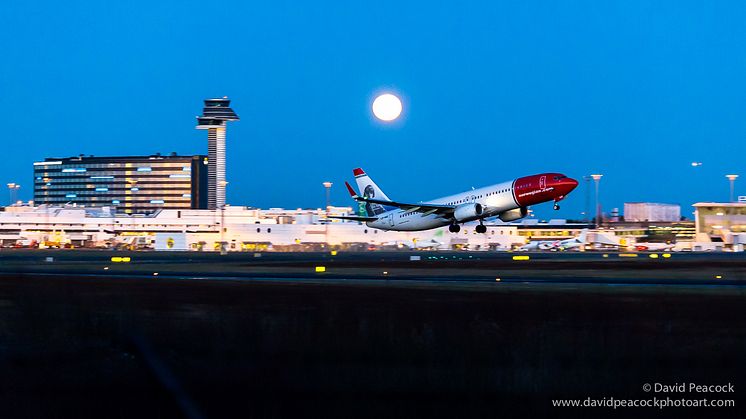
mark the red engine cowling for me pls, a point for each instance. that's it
(468, 212)
(514, 214)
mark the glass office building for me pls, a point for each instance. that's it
(134, 184)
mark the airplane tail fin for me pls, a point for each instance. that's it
(583, 235)
(367, 188)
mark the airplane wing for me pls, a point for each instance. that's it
(352, 217)
(425, 209)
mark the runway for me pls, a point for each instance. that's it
(439, 268)
(124, 343)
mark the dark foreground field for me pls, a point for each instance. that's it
(125, 347)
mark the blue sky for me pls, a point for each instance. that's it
(492, 90)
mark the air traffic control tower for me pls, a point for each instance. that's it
(214, 118)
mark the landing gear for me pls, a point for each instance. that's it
(454, 228)
(481, 228)
(556, 207)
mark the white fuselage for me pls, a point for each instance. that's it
(575, 243)
(495, 199)
(567, 244)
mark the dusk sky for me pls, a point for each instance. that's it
(493, 90)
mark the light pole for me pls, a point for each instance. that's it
(13, 192)
(328, 187)
(732, 179)
(597, 179)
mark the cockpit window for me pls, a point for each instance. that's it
(559, 177)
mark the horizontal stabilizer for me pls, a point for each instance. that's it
(353, 218)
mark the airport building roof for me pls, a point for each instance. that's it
(720, 204)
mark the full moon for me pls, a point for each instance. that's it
(387, 107)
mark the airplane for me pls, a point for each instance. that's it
(419, 244)
(508, 201)
(567, 244)
(653, 247)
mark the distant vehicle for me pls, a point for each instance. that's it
(508, 201)
(567, 244)
(410, 245)
(24, 243)
(654, 247)
(427, 244)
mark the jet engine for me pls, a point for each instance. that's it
(467, 212)
(514, 214)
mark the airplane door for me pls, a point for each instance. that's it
(391, 220)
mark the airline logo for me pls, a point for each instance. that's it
(535, 192)
(373, 209)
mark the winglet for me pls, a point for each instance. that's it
(358, 172)
(350, 190)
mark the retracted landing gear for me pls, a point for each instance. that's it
(481, 228)
(454, 228)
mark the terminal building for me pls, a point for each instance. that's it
(651, 211)
(231, 229)
(143, 184)
(720, 225)
(131, 185)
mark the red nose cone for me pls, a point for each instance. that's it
(567, 185)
